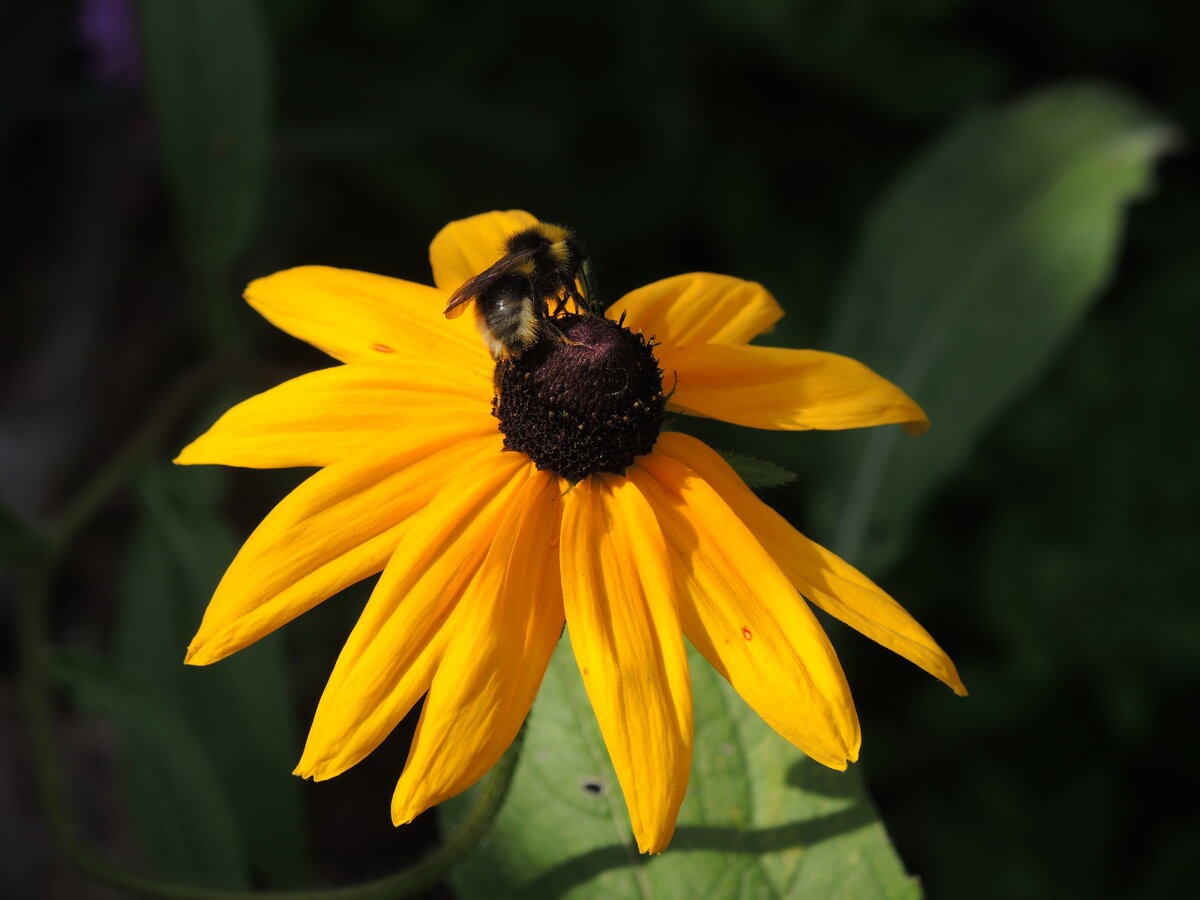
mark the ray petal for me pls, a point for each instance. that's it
(699, 308)
(335, 529)
(323, 416)
(502, 636)
(821, 576)
(359, 317)
(742, 613)
(390, 657)
(774, 387)
(466, 247)
(625, 633)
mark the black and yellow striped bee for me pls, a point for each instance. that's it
(541, 265)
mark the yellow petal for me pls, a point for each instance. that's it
(321, 417)
(831, 583)
(501, 638)
(772, 387)
(699, 308)
(389, 659)
(335, 529)
(742, 613)
(360, 317)
(627, 640)
(466, 247)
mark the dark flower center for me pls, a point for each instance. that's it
(591, 405)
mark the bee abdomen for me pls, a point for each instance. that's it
(507, 317)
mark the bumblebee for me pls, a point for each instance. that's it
(541, 265)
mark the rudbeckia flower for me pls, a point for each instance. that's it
(457, 496)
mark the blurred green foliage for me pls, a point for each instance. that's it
(1055, 562)
(974, 270)
(209, 750)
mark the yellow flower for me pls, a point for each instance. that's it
(485, 556)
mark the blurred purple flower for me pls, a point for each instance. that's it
(109, 31)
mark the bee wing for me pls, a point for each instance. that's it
(587, 287)
(473, 287)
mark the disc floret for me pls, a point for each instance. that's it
(587, 404)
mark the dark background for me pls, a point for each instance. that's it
(752, 139)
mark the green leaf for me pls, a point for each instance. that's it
(208, 80)
(760, 818)
(240, 708)
(971, 274)
(171, 778)
(757, 473)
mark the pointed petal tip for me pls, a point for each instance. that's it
(839, 763)
(947, 674)
(209, 645)
(653, 845)
(313, 767)
(314, 771)
(198, 655)
(404, 813)
(186, 456)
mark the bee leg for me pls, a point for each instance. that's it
(552, 332)
(582, 303)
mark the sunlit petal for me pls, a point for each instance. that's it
(389, 659)
(335, 529)
(831, 583)
(742, 613)
(360, 317)
(626, 636)
(466, 247)
(699, 308)
(321, 417)
(501, 638)
(772, 387)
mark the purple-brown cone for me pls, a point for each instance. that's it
(589, 406)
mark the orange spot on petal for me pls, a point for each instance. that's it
(382, 348)
(746, 634)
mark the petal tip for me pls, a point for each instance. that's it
(403, 814)
(198, 655)
(917, 427)
(840, 761)
(947, 674)
(655, 845)
(187, 456)
(312, 768)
